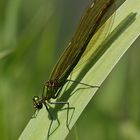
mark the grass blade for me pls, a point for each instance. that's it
(120, 40)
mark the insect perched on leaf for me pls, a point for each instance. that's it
(76, 49)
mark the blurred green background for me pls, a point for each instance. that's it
(33, 34)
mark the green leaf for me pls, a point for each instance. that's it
(124, 32)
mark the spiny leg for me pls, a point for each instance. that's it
(58, 92)
(43, 91)
(35, 114)
(83, 83)
(51, 120)
(67, 120)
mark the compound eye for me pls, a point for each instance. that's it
(35, 98)
(37, 102)
(39, 106)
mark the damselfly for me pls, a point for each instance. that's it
(88, 26)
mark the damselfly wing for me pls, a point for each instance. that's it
(89, 25)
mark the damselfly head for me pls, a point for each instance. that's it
(37, 102)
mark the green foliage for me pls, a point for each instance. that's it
(30, 39)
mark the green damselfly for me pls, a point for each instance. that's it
(88, 26)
